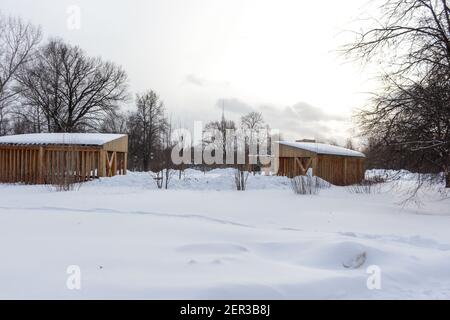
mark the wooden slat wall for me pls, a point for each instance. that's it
(292, 167)
(19, 165)
(340, 171)
(45, 165)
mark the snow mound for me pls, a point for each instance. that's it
(332, 255)
(213, 248)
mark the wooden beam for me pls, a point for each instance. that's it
(114, 163)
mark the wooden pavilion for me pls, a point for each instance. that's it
(337, 165)
(44, 158)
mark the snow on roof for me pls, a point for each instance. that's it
(96, 139)
(322, 148)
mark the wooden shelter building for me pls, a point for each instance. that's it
(45, 158)
(337, 165)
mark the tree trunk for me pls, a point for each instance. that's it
(145, 163)
(446, 170)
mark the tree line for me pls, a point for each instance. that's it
(52, 86)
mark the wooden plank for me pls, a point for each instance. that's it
(94, 174)
(82, 165)
(125, 163)
(108, 165)
(345, 171)
(88, 165)
(1, 164)
(40, 164)
(114, 164)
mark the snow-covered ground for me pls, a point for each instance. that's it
(202, 239)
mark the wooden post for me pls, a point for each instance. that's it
(114, 163)
(88, 165)
(83, 166)
(102, 163)
(125, 163)
(345, 171)
(315, 166)
(40, 165)
(10, 165)
(1, 165)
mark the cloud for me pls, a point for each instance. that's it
(199, 81)
(195, 80)
(303, 120)
(299, 121)
(307, 112)
(234, 105)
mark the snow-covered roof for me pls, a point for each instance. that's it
(322, 148)
(95, 139)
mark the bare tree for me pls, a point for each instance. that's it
(4, 119)
(114, 122)
(410, 38)
(409, 117)
(411, 126)
(162, 165)
(146, 128)
(18, 41)
(220, 128)
(349, 144)
(72, 90)
(253, 121)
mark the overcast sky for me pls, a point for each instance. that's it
(277, 56)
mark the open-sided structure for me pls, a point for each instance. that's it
(45, 158)
(339, 166)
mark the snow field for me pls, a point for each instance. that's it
(202, 239)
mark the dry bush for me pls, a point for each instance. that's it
(66, 183)
(240, 178)
(67, 177)
(308, 184)
(367, 186)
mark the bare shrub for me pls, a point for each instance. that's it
(163, 177)
(65, 174)
(67, 178)
(308, 184)
(66, 182)
(240, 178)
(367, 186)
